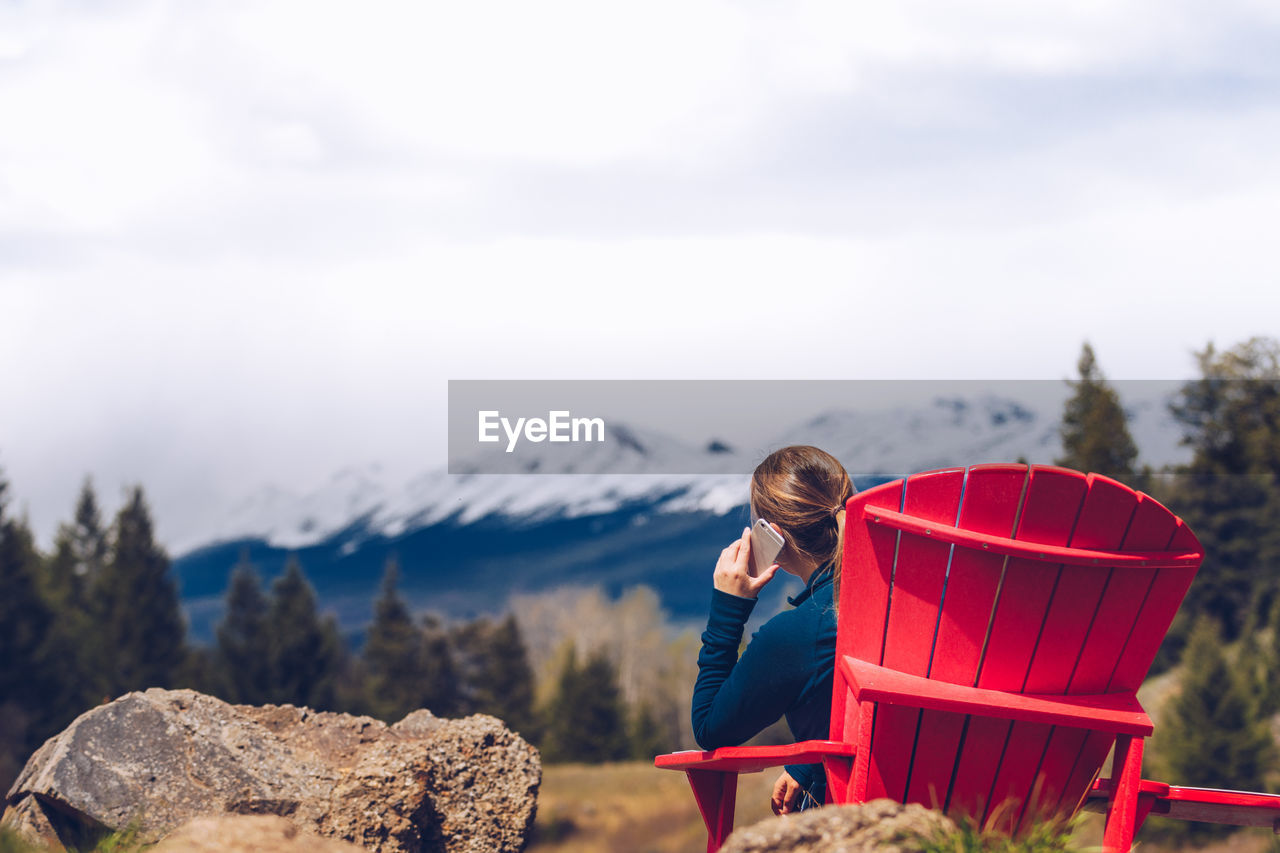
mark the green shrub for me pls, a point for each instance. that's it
(1050, 836)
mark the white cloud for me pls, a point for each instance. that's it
(252, 240)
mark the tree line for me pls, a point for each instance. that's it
(1215, 728)
(100, 616)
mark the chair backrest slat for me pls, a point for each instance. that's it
(1162, 601)
(993, 495)
(920, 572)
(1150, 526)
(1104, 518)
(1048, 517)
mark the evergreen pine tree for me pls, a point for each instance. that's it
(586, 720)
(393, 654)
(137, 619)
(1209, 735)
(494, 671)
(1095, 431)
(1230, 491)
(1252, 670)
(508, 677)
(1269, 665)
(29, 687)
(203, 671)
(440, 684)
(647, 735)
(306, 651)
(243, 656)
(558, 735)
(79, 554)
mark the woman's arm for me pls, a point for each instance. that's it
(734, 698)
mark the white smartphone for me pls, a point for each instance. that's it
(765, 545)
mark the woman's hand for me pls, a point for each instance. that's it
(735, 573)
(785, 793)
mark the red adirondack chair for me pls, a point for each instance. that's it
(995, 625)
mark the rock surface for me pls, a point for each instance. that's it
(162, 757)
(248, 834)
(885, 826)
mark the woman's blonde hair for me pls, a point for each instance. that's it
(803, 490)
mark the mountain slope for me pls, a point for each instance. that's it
(467, 541)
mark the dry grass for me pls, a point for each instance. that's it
(635, 808)
(631, 807)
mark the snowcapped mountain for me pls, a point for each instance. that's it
(949, 431)
(466, 542)
(874, 445)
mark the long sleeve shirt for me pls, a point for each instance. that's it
(786, 669)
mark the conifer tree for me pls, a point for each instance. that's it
(440, 685)
(28, 682)
(1095, 431)
(393, 654)
(244, 644)
(1209, 734)
(79, 554)
(137, 618)
(203, 671)
(1268, 664)
(495, 673)
(586, 720)
(509, 677)
(306, 651)
(648, 737)
(1230, 491)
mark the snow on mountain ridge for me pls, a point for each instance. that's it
(871, 443)
(947, 431)
(603, 478)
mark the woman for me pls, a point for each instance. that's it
(787, 667)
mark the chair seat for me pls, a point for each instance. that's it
(1119, 713)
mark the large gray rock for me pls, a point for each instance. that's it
(162, 757)
(884, 826)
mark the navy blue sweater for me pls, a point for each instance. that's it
(786, 669)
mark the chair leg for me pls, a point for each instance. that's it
(1146, 802)
(839, 778)
(856, 791)
(716, 792)
(1123, 816)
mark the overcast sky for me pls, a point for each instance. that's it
(249, 242)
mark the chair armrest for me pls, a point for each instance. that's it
(1212, 805)
(1118, 713)
(753, 759)
(1099, 793)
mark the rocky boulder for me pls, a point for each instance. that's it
(884, 826)
(159, 758)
